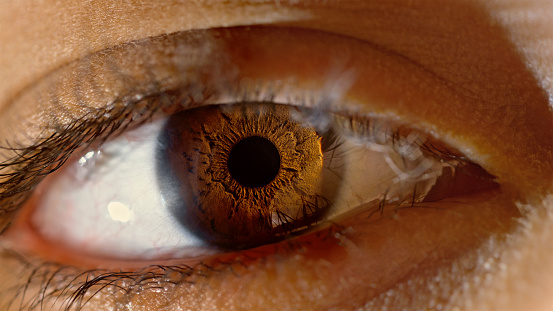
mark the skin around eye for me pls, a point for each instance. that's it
(391, 86)
(176, 179)
(182, 291)
(391, 245)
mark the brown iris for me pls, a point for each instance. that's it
(246, 174)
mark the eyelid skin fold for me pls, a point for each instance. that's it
(222, 65)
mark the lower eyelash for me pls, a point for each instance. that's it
(57, 287)
(71, 290)
(68, 288)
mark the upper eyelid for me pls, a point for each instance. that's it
(73, 90)
(104, 87)
(107, 83)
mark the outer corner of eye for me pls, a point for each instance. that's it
(231, 177)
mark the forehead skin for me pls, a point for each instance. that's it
(39, 36)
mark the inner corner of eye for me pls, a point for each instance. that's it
(237, 176)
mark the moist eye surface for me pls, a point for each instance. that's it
(229, 177)
(248, 174)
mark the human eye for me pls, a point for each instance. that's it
(236, 176)
(368, 248)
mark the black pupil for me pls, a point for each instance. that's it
(254, 162)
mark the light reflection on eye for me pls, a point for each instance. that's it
(349, 197)
(169, 189)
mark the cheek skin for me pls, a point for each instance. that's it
(343, 266)
(522, 277)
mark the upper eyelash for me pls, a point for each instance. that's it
(32, 163)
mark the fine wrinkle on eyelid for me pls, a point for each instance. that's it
(84, 27)
(83, 73)
(436, 31)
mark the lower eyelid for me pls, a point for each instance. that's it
(379, 250)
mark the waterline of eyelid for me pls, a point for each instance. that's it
(85, 184)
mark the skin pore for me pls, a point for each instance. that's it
(474, 74)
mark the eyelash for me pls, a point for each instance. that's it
(31, 164)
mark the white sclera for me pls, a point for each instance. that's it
(108, 203)
(375, 172)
